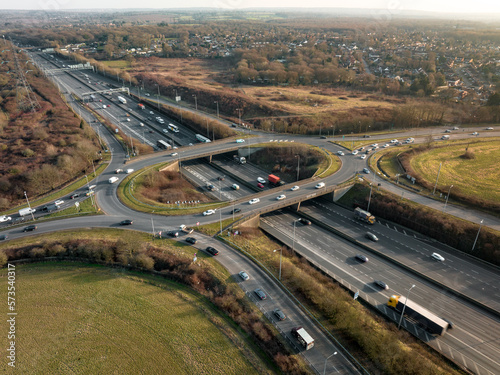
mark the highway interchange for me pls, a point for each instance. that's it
(473, 343)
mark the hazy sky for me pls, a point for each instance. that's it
(392, 6)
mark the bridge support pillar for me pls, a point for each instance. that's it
(210, 158)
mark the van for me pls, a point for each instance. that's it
(235, 186)
(371, 236)
(437, 257)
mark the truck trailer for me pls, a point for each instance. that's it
(364, 216)
(427, 320)
(303, 337)
(275, 180)
(26, 211)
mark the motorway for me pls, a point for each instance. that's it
(473, 339)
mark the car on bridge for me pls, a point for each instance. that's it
(240, 141)
(293, 188)
(320, 185)
(281, 197)
(259, 185)
(253, 201)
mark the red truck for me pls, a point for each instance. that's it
(275, 180)
(141, 106)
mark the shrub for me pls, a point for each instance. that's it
(27, 153)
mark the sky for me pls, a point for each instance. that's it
(392, 6)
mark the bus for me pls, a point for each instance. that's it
(202, 139)
(173, 128)
(163, 145)
(122, 100)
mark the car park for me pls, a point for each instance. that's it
(259, 293)
(126, 222)
(437, 257)
(305, 221)
(30, 228)
(366, 170)
(293, 188)
(371, 236)
(381, 284)
(236, 210)
(279, 314)
(361, 258)
(261, 180)
(212, 250)
(253, 201)
(4, 218)
(208, 212)
(243, 275)
(260, 185)
(320, 185)
(281, 197)
(73, 196)
(340, 153)
(191, 240)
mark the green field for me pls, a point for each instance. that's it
(476, 177)
(81, 319)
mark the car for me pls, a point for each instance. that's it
(58, 202)
(455, 128)
(320, 185)
(489, 128)
(293, 188)
(151, 113)
(259, 293)
(4, 218)
(173, 233)
(30, 228)
(141, 124)
(210, 187)
(128, 119)
(240, 141)
(212, 250)
(73, 196)
(243, 275)
(253, 201)
(381, 284)
(109, 105)
(235, 186)
(279, 314)
(354, 152)
(386, 145)
(394, 141)
(447, 131)
(281, 197)
(126, 222)
(165, 130)
(191, 240)
(366, 170)
(363, 157)
(147, 94)
(208, 212)
(261, 180)
(3, 237)
(374, 145)
(361, 258)
(174, 154)
(260, 185)
(182, 226)
(322, 137)
(437, 257)
(367, 136)
(103, 106)
(475, 133)
(371, 236)
(236, 210)
(221, 178)
(305, 221)
(89, 193)
(340, 153)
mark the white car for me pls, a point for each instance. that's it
(174, 154)
(475, 133)
(141, 124)
(386, 145)
(374, 145)
(437, 257)
(208, 212)
(128, 119)
(240, 141)
(165, 130)
(394, 141)
(320, 185)
(244, 275)
(490, 128)
(261, 180)
(363, 157)
(59, 202)
(151, 113)
(281, 197)
(355, 152)
(253, 201)
(293, 188)
(4, 218)
(340, 153)
(455, 128)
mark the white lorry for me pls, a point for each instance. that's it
(112, 180)
(303, 337)
(26, 211)
(122, 100)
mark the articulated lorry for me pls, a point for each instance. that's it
(303, 337)
(364, 216)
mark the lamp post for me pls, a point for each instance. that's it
(281, 253)
(437, 178)
(239, 115)
(369, 198)
(446, 202)
(404, 307)
(298, 166)
(477, 235)
(152, 224)
(293, 241)
(27, 200)
(195, 103)
(216, 102)
(158, 97)
(326, 360)
(220, 220)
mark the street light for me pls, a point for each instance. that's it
(326, 360)
(281, 253)
(369, 198)
(216, 102)
(298, 167)
(404, 307)
(195, 103)
(239, 115)
(158, 97)
(446, 202)
(152, 224)
(31, 212)
(477, 235)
